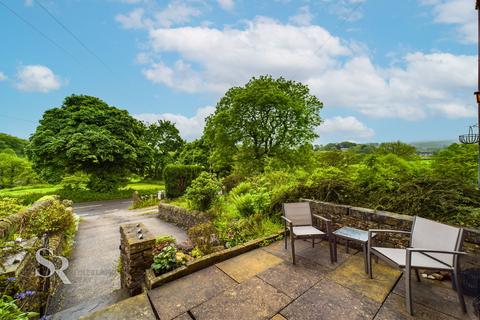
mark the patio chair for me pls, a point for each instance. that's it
(433, 245)
(299, 222)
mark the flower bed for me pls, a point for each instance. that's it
(152, 280)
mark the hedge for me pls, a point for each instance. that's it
(178, 178)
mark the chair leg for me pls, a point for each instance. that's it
(292, 244)
(408, 291)
(369, 263)
(285, 236)
(456, 276)
(417, 274)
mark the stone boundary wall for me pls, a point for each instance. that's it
(181, 217)
(136, 255)
(363, 218)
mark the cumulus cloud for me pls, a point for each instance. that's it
(303, 17)
(460, 13)
(344, 128)
(3, 77)
(346, 10)
(226, 4)
(37, 78)
(175, 13)
(190, 127)
(338, 72)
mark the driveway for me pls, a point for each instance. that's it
(94, 259)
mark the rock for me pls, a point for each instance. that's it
(186, 245)
(424, 275)
(437, 276)
(431, 277)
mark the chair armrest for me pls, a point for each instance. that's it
(287, 220)
(375, 231)
(321, 218)
(388, 231)
(436, 251)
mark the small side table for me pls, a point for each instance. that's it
(351, 234)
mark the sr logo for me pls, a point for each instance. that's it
(50, 266)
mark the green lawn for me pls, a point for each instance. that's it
(29, 194)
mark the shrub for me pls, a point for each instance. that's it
(232, 181)
(76, 181)
(9, 206)
(167, 260)
(203, 236)
(178, 178)
(10, 310)
(250, 203)
(161, 242)
(50, 219)
(203, 191)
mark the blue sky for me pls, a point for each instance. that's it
(385, 70)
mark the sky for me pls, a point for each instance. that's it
(385, 70)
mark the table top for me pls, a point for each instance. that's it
(352, 234)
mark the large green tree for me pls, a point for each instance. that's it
(264, 119)
(13, 143)
(15, 170)
(164, 140)
(87, 135)
(401, 149)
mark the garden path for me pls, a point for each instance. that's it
(93, 263)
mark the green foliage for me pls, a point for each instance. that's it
(51, 219)
(232, 181)
(178, 178)
(9, 310)
(203, 191)
(15, 171)
(146, 200)
(166, 260)
(86, 134)
(195, 152)
(202, 236)
(161, 242)
(9, 206)
(76, 181)
(164, 141)
(400, 149)
(250, 203)
(17, 145)
(266, 118)
(459, 162)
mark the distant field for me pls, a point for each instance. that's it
(29, 194)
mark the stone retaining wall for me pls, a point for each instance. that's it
(136, 245)
(363, 218)
(181, 217)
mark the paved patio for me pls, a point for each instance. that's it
(263, 284)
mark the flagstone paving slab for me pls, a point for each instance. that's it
(329, 300)
(137, 307)
(321, 255)
(278, 248)
(435, 295)
(251, 300)
(294, 280)
(351, 274)
(177, 297)
(278, 316)
(183, 316)
(394, 309)
(247, 265)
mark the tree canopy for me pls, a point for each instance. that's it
(265, 118)
(13, 143)
(164, 140)
(87, 135)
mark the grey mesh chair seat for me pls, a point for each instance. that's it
(307, 231)
(419, 259)
(433, 245)
(299, 223)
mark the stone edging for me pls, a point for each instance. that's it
(153, 281)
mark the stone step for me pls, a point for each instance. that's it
(137, 307)
(90, 306)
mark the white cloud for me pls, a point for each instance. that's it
(346, 10)
(175, 13)
(132, 20)
(226, 4)
(37, 78)
(460, 13)
(3, 77)
(340, 73)
(190, 128)
(344, 128)
(303, 17)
